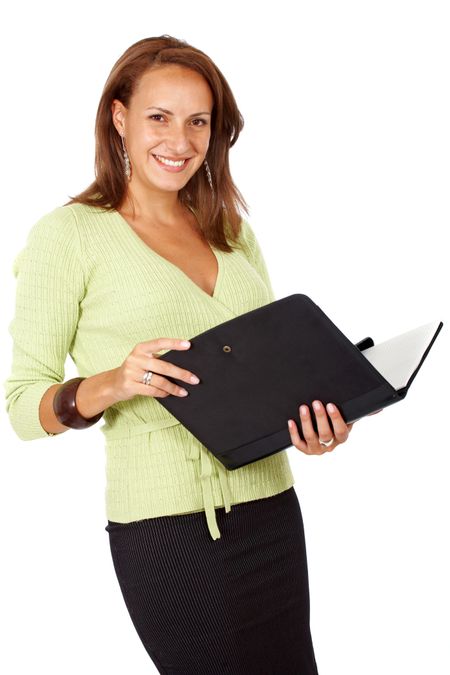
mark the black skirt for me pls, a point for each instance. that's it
(237, 605)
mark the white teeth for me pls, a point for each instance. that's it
(169, 161)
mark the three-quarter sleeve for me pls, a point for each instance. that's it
(50, 285)
(255, 255)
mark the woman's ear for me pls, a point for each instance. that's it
(118, 116)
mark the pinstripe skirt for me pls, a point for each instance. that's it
(237, 605)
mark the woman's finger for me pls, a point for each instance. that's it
(341, 428)
(325, 432)
(295, 437)
(310, 435)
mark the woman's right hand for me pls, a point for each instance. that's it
(127, 378)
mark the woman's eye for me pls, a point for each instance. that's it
(199, 119)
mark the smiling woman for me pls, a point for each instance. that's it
(166, 99)
(173, 142)
(155, 251)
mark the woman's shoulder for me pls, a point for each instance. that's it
(80, 209)
(69, 220)
(246, 240)
(67, 225)
(51, 225)
(53, 234)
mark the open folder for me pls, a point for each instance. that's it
(256, 370)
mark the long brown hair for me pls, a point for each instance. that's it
(215, 209)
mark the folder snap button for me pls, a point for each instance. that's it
(226, 348)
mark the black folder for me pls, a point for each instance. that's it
(256, 370)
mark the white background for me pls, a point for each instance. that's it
(344, 161)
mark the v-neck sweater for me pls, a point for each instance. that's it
(89, 286)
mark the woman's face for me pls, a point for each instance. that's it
(179, 132)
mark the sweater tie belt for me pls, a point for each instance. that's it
(198, 451)
(195, 452)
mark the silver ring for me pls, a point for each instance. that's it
(327, 443)
(147, 377)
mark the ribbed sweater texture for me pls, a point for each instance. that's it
(87, 285)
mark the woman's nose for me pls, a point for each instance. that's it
(177, 140)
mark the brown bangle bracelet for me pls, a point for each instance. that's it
(65, 409)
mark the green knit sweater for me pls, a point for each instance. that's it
(89, 286)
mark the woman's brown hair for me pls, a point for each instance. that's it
(214, 208)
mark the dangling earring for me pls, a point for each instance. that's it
(208, 173)
(126, 159)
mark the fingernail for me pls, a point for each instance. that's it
(304, 410)
(194, 379)
(185, 343)
(316, 405)
(183, 392)
(331, 408)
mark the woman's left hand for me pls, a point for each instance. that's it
(340, 431)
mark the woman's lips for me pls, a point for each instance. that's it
(169, 168)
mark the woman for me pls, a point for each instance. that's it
(156, 246)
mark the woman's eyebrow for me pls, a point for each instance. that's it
(171, 113)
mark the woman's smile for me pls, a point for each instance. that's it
(170, 165)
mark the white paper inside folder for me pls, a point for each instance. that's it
(397, 359)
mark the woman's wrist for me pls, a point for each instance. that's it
(95, 394)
